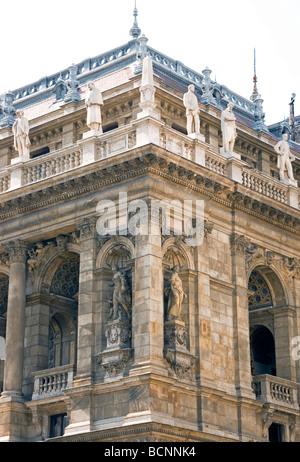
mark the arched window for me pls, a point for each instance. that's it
(64, 306)
(262, 346)
(260, 295)
(62, 341)
(66, 279)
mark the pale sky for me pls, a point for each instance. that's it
(40, 38)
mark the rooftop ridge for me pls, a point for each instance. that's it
(42, 88)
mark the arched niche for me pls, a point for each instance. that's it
(175, 254)
(115, 255)
(118, 251)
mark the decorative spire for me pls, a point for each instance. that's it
(135, 31)
(255, 93)
(292, 118)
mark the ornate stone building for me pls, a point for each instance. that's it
(137, 334)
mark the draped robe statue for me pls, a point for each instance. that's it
(228, 128)
(21, 139)
(175, 295)
(192, 110)
(93, 103)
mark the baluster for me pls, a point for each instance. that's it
(62, 164)
(43, 171)
(72, 160)
(77, 158)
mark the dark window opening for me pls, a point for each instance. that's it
(276, 433)
(179, 129)
(263, 359)
(40, 152)
(58, 423)
(110, 127)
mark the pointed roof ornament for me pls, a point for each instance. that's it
(255, 93)
(135, 31)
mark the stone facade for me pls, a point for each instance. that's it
(90, 351)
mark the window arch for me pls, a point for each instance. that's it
(66, 279)
(260, 295)
(64, 307)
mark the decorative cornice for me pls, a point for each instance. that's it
(150, 163)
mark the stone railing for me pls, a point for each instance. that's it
(215, 162)
(115, 142)
(275, 390)
(265, 185)
(4, 182)
(177, 143)
(50, 165)
(93, 149)
(52, 382)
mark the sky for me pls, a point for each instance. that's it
(40, 38)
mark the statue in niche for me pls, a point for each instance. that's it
(121, 299)
(192, 110)
(228, 128)
(21, 139)
(175, 295)
(93, 102)
(285, 158)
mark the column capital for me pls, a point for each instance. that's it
(239, 244)
(87, 228)
(17, 251)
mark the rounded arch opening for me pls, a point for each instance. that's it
(262, 346)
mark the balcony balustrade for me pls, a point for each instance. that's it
(125, 138)
(275, 390)
(51, 382)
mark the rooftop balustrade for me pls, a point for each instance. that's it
(96, 148)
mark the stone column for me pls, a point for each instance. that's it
(15, 327)
(239, 246)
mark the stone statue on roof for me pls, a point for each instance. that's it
(93, 102)
(21, 139)
(228, 127)
(190, 102)
(285, 159)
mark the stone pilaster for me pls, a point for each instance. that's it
(239, 246)
(15, 327)
(80, 395)
(204, 350)
(284, 328)
(147, 310)
(85, 343)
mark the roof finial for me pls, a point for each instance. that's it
(292, 118)
(255, 93)
(135, 31)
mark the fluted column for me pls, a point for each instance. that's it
(15, 326)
